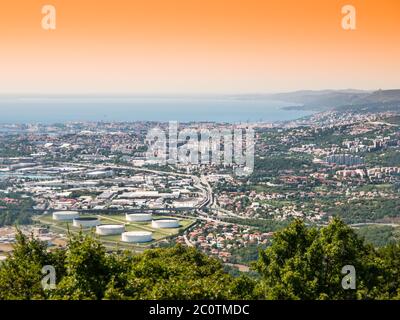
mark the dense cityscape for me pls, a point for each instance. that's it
(199, 159)
(343, 164)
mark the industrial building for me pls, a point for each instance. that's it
(65, 215)
(110, 229)
(85, 222)
(138, 217)
(165, 223)
(137, 236)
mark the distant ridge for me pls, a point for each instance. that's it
(382, 96)
(320, 100)
(340, 99)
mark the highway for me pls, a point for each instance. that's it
(198, 182)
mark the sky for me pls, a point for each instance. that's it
(197, 46)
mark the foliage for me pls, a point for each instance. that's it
(20, 274)
(306, 263)
(15, 213)
(366, 210)
(301, 263)
(175, 273)
(86, 271)
(379, 236)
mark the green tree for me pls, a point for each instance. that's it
(301, 263)
(306, 263)
(20, 273)
(87, 269)
(389, 258)
(175, 273)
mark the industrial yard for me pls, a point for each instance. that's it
(114, 240)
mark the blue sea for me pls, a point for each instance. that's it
(182, 109)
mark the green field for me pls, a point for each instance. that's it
(114, 241)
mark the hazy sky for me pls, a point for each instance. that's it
(197, 46)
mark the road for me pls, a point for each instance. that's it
(198, 182)
(201, 183)
(187, 241)
(383, 123)
(355, 225)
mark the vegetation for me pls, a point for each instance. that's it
(387, 158)
(247, 254)
(301, 263)
(272, 165)
(367, 210)
(306, 263)
(86, 271)
(16, 212)
(263, 225)
(379, 236)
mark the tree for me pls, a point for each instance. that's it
(20, 274)
(87, 269)
(174, 273)
(306, 263)
(389, 257)
(301, 263)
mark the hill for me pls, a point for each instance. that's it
(380, 100)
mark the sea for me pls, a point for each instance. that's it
(182, 109)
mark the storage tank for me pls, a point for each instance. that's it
(137, 236)
(86, 222)
(165, 223)
(65, 215)
(110, 229)
(138, 217)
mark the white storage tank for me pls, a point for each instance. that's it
(137, 236)
(110, 229)
(86, 222)
(138, 217)
(165, 223)
(65, 215)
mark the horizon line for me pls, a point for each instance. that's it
(181, 94)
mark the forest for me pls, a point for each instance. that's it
(302, 263)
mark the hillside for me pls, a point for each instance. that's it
(321, 100)
(342, 99)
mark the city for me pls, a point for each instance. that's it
(188, 159)
(314, 168)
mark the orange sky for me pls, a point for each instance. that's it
(197, 46)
